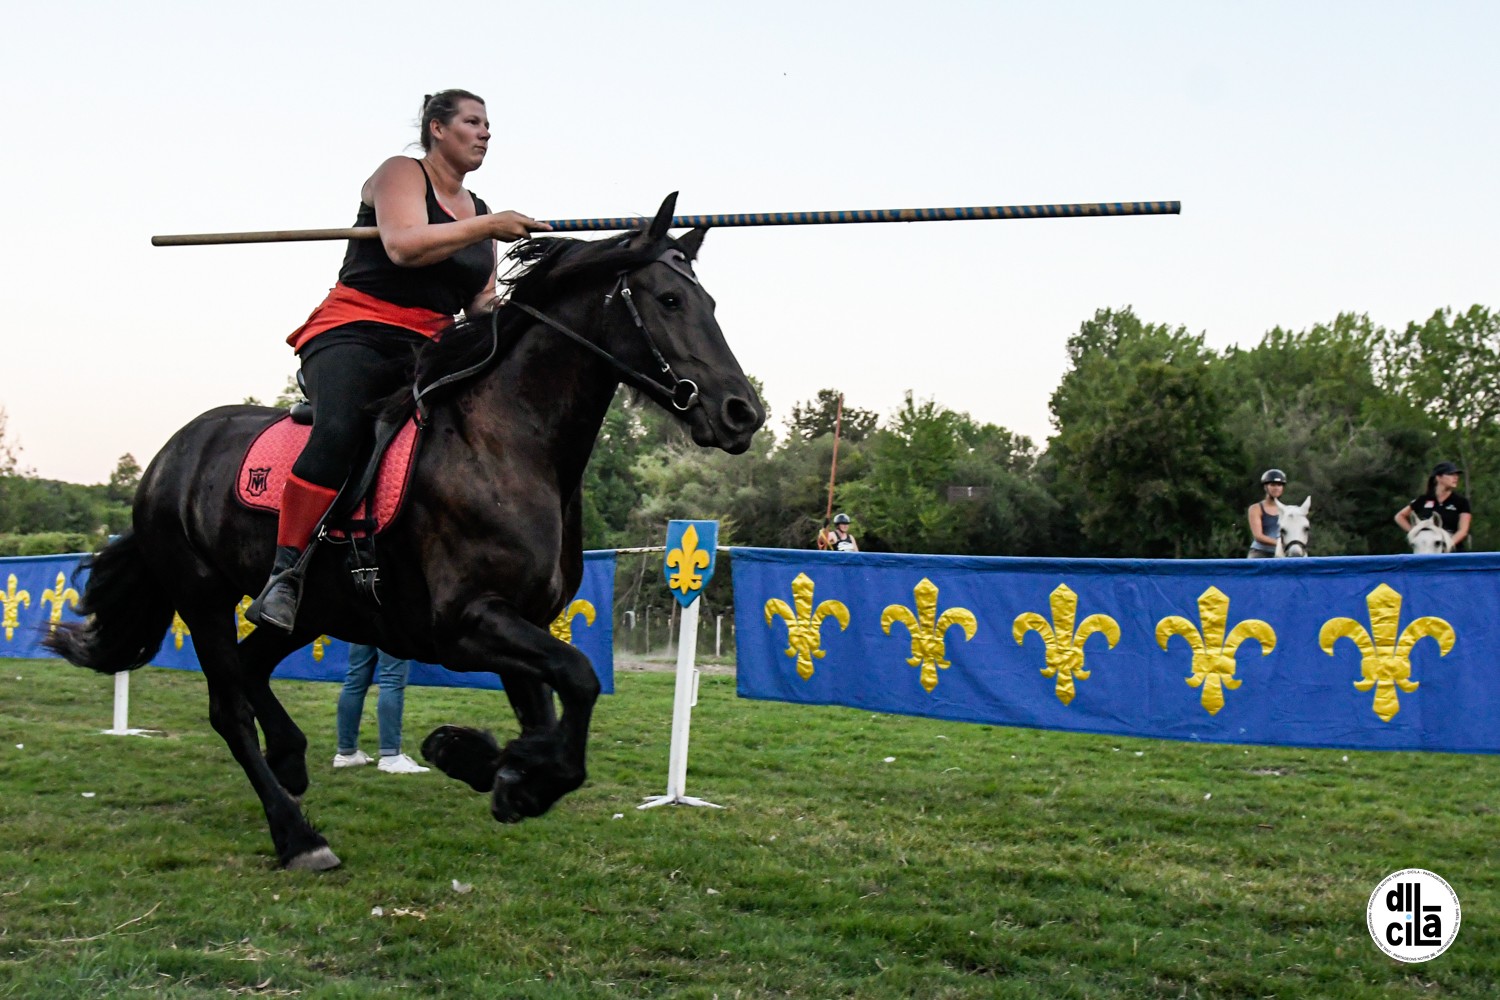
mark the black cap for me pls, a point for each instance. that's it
(1446, 469)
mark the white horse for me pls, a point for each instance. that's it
(1292, 541)
(1428, 536)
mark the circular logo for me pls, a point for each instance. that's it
(1413, 915)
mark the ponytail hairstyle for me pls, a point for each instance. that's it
(441, 107)
(1431, 486)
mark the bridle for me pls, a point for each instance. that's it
(682, 393)
(1286, 546)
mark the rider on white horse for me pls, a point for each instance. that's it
(1441, 501)
(1265, 517)
(1278, 529)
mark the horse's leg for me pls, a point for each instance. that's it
(297, 844)
(286, 745)
(546, 761)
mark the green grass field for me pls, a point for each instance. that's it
(979, 862)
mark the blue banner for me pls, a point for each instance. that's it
(1375, 653)
(37, 592)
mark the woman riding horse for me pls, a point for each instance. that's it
(487, 550)
(1443, 501)
(1265, 516)
(435, 256)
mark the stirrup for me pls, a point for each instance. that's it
(255, 614)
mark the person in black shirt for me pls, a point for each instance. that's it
(1443, 499)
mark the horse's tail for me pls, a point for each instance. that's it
(127, 612)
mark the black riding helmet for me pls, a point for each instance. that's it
(1272, 476)
(841, 519)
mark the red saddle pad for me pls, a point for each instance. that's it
(269, 459)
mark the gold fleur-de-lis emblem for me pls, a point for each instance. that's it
(179, 630)
(319, 646)
(688, 560)
(927, 629)
(804, 624)
(1385, 658)
(1213, 652)
(1064, 647)
(242, 625)
(562, 626)
(58, 595)
(12, 599)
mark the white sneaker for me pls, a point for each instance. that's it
(400, 764)
(354, 759)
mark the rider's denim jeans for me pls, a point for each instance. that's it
(365, 662)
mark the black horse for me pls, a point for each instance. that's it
(488, 549)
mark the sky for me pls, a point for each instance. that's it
(1329, 157)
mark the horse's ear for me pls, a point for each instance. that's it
(663, 220)
(1307, 505)
(691, 242)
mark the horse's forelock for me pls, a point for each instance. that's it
(543, 268)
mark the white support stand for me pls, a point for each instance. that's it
(122, 709)
(683, 700)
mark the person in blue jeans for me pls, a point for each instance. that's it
(367, 664)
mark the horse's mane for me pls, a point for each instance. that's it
(539, 272)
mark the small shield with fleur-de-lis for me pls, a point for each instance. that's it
(692, 551)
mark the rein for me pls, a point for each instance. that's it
(682, 393)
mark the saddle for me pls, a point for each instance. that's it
(368, 503)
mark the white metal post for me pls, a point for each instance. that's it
(683, 699)
(122, 709)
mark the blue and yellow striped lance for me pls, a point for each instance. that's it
(729, 221)
(844, 217)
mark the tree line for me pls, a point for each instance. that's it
(1157, 447)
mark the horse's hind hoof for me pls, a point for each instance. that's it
(470, 755)
(319, 859)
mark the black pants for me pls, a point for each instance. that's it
(344, 376)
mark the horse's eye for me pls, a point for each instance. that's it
(669, 300)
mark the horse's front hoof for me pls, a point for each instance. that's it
(319, 859)
(511, 802)
(470, 755)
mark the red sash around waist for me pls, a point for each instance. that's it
(346, 305)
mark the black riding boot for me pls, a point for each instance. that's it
(277, 603)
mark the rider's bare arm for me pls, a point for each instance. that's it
(1463, 529)
(1256, 531)
(398, 190)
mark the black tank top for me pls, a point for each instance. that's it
(445, 287)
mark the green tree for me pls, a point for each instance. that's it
(1311, 402)
(1140, 464)
(817, 416)
(124, 480)
(9, 451)
(1449, 368)
(901, 504)
(1155, 476)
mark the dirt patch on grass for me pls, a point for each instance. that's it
(625, 664)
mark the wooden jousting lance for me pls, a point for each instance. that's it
(730, 221)
(833, 468)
